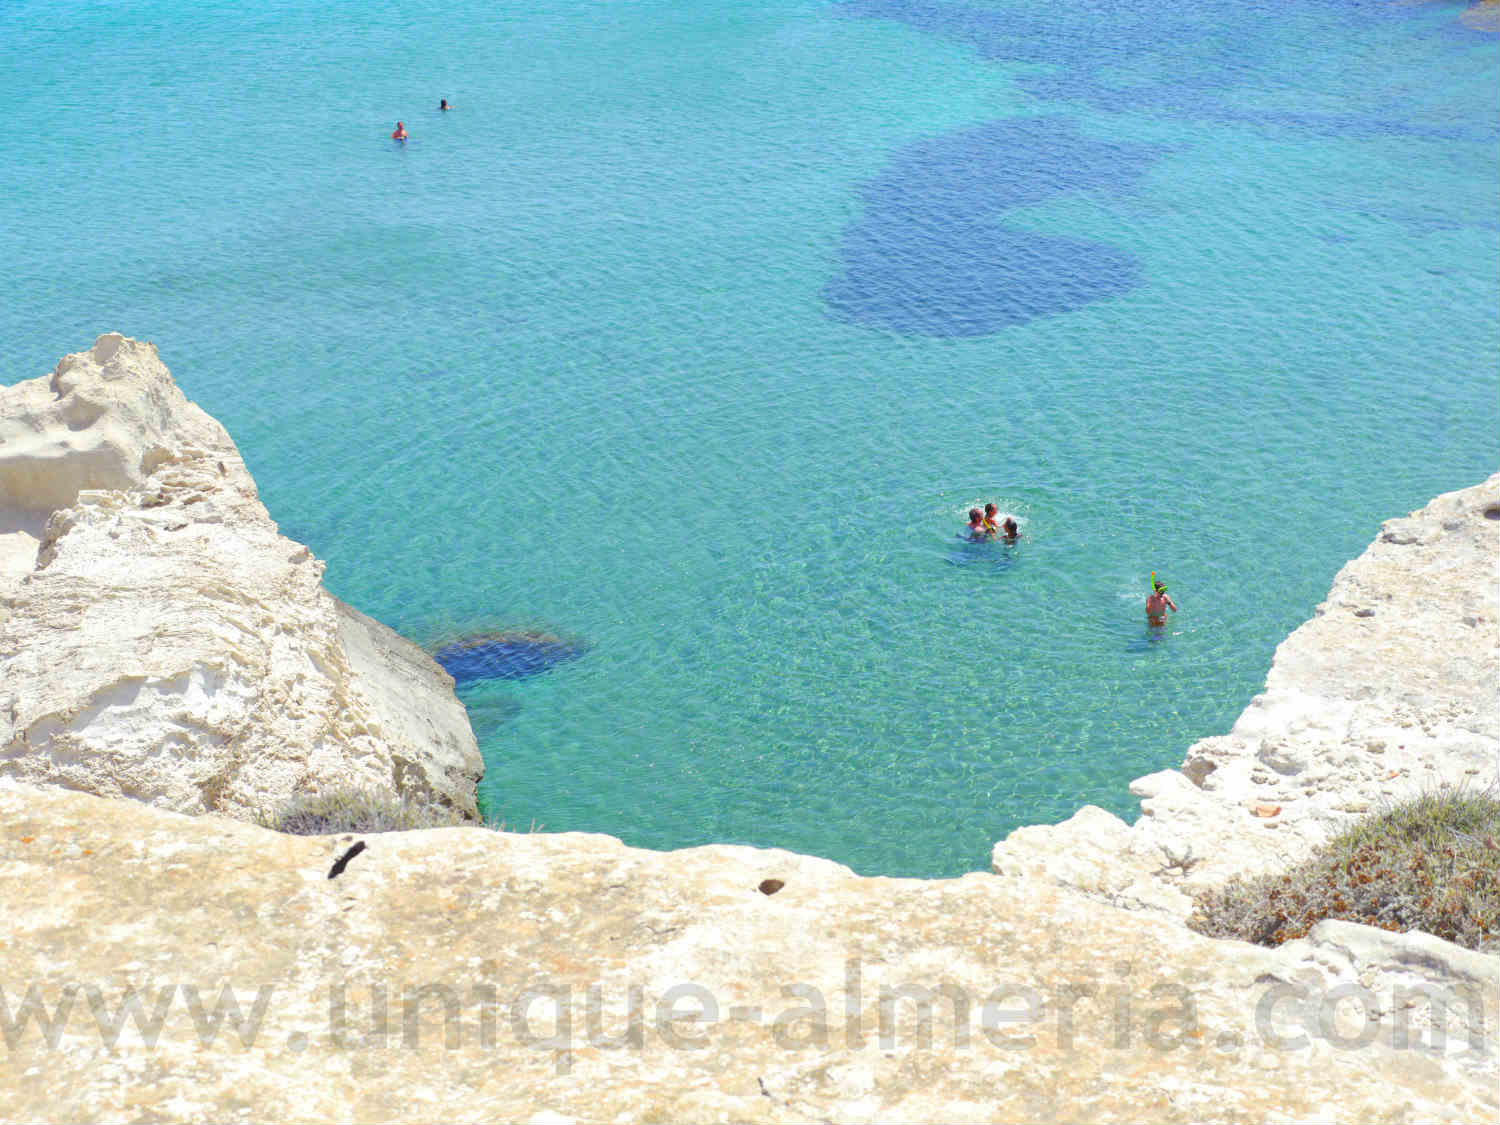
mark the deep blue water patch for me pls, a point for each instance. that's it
(932, 255)
(1141, 62)
(1050, 35)
(505, 656)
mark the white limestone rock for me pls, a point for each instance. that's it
(1411, 991)
(163, 642)
(95, 423)
(1103, 858)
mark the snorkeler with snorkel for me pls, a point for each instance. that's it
(1157, 603)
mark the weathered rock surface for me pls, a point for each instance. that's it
(1072, 1009)
(159, 640)
(1393, 687)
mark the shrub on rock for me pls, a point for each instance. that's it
(1431, 863)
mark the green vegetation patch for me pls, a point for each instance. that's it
(1431, 863)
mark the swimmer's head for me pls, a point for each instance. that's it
(1010, 526)
(990, 509)
(975, 514)
(443, 104)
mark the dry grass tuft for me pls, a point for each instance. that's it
(339, 811)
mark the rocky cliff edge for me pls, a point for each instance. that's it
(159, 640)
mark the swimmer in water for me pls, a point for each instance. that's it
(1157, 603)
(990, 512)
(1009, 532)
(444, 106)
(400, 133)
(976, 528)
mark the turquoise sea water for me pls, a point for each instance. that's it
(693, 330)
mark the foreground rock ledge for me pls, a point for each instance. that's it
(159, 640)
(1072, 1010)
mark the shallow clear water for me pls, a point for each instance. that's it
(693, 330)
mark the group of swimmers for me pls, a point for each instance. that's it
(984, 525)
(400, 133)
